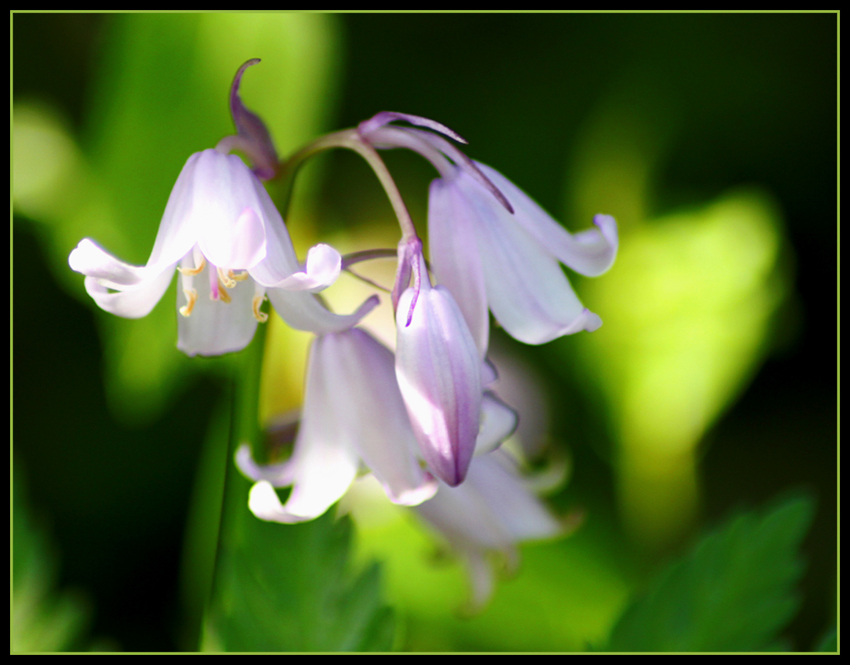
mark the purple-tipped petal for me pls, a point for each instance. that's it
(256, 140)
(439, 373)
(409, 253)
(590, 252)
(385, 117)
(464, 163)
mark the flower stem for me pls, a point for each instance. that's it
(244, 426)
(350, 139)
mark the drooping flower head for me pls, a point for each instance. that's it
(353, 417)
(222, 231)
(493, 247)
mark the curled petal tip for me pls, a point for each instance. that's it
(254, 136)
(590, 321)
(416, 495)
(265, 504)
(385, 117)
(321, 270)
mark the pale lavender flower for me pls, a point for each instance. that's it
(492, 246)
(439, 373)
(491, 512)
(353, 417)
(230, 243)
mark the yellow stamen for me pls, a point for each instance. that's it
(262, 317)
(224, 279)
(191, 296)
(223, 295)
(191, 272)
(240, 277)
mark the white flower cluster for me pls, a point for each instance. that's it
(424, 421)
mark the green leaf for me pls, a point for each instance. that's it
(829, 642)
(735, 591)
(291, 588)
(43, 618)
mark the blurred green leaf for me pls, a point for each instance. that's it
(735, 591)
(43, 618)
(291, 588)
(688, 310)
(285, 587)
(563, 595)
(829, 642)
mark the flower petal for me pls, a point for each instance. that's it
(117, 287)
(131, 302)
(322, 269)
(496, 479)
(227, 210)
(92, 260)
(439, 374)
(527, 291)
(498, 422)
(324, 461)
(302, 311)
(280, 267)
(264, 503)
(278, 475)
(455, 257)
(215, 326)
(178, 230)
(589, 252)
(492, 510)
(366, 401)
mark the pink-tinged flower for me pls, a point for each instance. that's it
(492, 511)
(439, 373)
(353, 416)
(222, 232)
(492, 246)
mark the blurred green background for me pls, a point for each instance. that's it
(711, 138)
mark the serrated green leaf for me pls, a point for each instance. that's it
(291, 588)
(735, 591)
